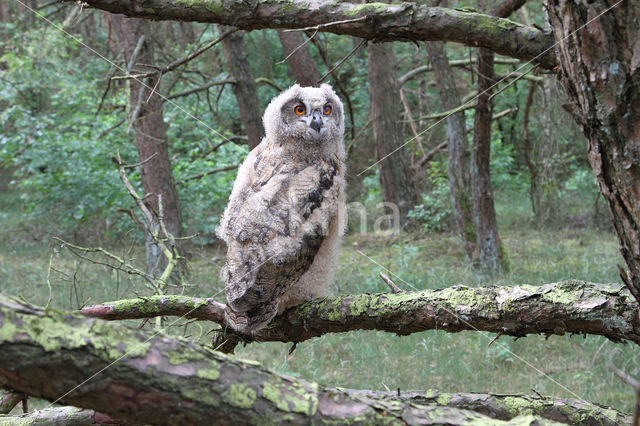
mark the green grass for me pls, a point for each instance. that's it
(563, 366)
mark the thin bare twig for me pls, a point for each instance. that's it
(134, 165)
(429, 155)
(122, 265)
(200, 88)
(271, 83)
(297, 48)
(210, 172)
(394, 288)
(360, 132)
(48, 280)
(328, 24)
(176, 64)
(340, 62)
(635, 384)
(136, 52)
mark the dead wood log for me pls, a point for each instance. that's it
(159, 379)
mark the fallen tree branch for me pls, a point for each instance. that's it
(377, 22)
(9, 400)
(504, 406)
(68, 416)
(157, 379)
(572, 306)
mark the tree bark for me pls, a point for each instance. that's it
(9, 400)
(132, 375)
(394, 22)
(301, 65)
(244, 88)
(490, 257)
(61, 416)
(393, 165)
(557, 308)
(501, 406)
(150, 134)
(458, 170)
(535, 193)
(599, 59)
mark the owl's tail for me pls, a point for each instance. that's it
(251, 320)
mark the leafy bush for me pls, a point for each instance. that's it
(435, 212)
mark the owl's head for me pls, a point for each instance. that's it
(309, 115)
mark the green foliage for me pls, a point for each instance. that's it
(51, 137)
(435, 212)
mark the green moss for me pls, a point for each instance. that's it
(294, 398)
(359, 305)
(141, 305)
(430, 393)
(240, 395)
(443, 399)
(365, 9)
(55, 331)
(461, 296)
(566, 293)
(215, 7)
(191, 3)
(249, 362)
(273, 394)
(332, 309)
(208, 373)
(177, 357)
(8, 329)
(200, 396)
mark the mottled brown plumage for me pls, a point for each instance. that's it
(286, 213)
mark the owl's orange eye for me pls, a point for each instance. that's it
(299, 109)
(327, 109)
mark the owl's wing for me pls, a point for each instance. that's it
(274, 225)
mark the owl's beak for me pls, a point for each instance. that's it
(316, 121)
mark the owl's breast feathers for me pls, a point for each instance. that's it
(274, 226)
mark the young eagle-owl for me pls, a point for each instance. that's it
(286, 214)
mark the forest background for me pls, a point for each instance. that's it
(64, 118)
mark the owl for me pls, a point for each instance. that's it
(286, 215)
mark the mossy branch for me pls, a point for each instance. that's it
(68, 416)
(152, 378)
(371, 21)
(574, 307)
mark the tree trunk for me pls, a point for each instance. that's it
(530, 159)
(301, 65)
(458, 152)
(393, 165)
(244, 87)
(132, 375)
(490, 259)
(600, 69)
(150, 134)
